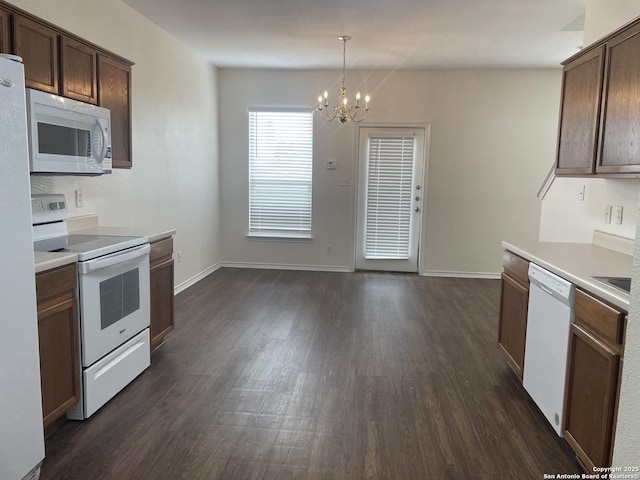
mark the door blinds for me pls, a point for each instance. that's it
(280, 172)
(389, 185)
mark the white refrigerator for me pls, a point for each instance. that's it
(21, 432)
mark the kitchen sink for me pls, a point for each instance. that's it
(623, 283)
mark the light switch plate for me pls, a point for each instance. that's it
(607, 213)
(79, 198)
(619, 214)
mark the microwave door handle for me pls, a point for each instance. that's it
(114, 259)
(105, 140)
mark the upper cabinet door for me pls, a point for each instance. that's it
(38, 47)
(114, 93)
(620, 123)
(4, 32)
(579, 114)
(79, 79)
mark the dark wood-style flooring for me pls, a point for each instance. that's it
(308, 375)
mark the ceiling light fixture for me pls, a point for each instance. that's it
(343, 111)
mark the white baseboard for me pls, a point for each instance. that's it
(285, 266)
(195, 279)
(315, 268)
(436, 273)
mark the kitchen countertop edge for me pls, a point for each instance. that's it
(44, 261)
(578, 263)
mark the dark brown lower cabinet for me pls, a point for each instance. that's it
(593, 382)
(161, 279)
(514, 304)
(513, 322)
(58, 341)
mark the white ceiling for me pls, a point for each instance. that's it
(388, 34)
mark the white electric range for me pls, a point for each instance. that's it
(113, 293)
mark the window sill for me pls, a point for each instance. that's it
(279, 237)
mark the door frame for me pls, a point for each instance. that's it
(425, 177)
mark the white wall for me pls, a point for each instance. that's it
(492, 143)
(604, 16)
(565, 218)
(174, 179)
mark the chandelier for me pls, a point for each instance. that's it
(343, 111)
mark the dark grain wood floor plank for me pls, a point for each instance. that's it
(316, 375)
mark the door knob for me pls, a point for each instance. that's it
(417, 209)
(417, 198)
(417, 187)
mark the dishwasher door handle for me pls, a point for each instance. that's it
(546, 289)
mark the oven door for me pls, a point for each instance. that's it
(114, 300)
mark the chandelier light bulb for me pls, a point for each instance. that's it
(342, 110)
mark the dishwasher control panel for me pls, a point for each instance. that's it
(551, 283)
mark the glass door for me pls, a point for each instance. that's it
(390, 198)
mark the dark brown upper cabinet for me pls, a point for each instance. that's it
(599, 127)
(5, 46)
(79, 66)
(580, 113)
(620, 124)
(37, 44)
(114, 93)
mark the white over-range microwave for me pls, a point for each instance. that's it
(67, 136)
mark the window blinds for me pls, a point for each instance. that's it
(280, 172)
(389, 189)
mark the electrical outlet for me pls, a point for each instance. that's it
(179, 257)
(607, 213)
(619, 214)
(344, 181)
(79, 198)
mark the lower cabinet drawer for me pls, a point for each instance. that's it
(516, 267)
(606, 322)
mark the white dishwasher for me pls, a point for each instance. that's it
(547, 342)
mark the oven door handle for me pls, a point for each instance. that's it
(114, 259)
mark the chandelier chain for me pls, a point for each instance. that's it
(344, 57)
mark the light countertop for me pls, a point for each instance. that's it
(48, 260)
(578, 263)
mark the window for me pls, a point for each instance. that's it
(280, 172)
